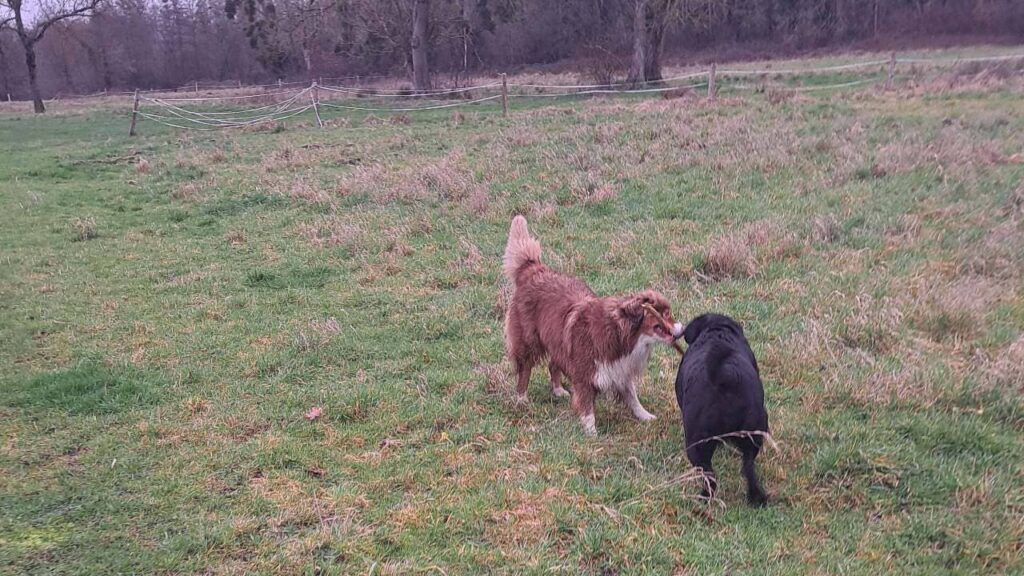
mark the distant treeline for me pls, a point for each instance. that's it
(124, 44)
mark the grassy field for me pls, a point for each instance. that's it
(171, 306)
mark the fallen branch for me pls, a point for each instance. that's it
(748, 434)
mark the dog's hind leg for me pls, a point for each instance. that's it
(755, 494)
(524, 367)
(556, 381)
(628, 395)
(700, 456)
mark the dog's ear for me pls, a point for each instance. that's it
(633, 309)
(694, 328)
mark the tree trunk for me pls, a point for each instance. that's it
(33, 83)
(874, 27)
(307, 59)
(4, 74)
(648, 33)
(420, 45)
(652, 56)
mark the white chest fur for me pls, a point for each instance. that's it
(622, 373)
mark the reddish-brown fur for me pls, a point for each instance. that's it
(557, 316)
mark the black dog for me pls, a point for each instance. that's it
(719, 391)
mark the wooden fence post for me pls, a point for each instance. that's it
(278, 83)
(504, 95)
(197, 86)
(135, 112)
(314, 95)
(892, 71)
(711, 82)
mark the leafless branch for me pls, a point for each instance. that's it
(71, 12)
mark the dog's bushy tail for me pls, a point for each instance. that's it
(521, 249)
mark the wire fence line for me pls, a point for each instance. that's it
(222, 111)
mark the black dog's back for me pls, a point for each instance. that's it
(719, 390)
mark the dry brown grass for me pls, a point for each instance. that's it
(526, 519)
(332, 231)
(906, 227)
(217, 156)
(956, 154)
(955, 311)
(586, 189)
(999, 255)
(235, 237)
(473, 261)
(309, 191)
(729, 256)
(873, 325)
(289, 159)
(317, 334)
(969, 77)
(84, 229)
(1015, 203)
(778, 96)
(825, 229)
(799, 358)
(448, 178)
(479, 201)
(770, 239)
(545, 211)
(738, 254)
(1006, 370)
(143, 166)
(191, 191)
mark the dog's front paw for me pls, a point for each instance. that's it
(645, 416)
(559, 392)
(589, 425)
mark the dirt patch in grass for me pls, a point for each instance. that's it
(526, 518)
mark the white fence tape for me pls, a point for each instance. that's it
(177, 116)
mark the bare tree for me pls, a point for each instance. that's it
(421, 45)
(49, 15)
(650, 19)
(5, 25)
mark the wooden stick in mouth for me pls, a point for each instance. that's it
(654, 311)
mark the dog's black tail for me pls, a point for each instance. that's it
(719, 369)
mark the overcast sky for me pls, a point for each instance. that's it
(29, 10)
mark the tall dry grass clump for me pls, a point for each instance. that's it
(83, 229)
(1000, 255)
(729, 256)
(825, 228)
(956, 310)
(332, 232)
(738, 254)
(873, 324)
(1006, 370)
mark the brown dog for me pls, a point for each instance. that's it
(601, 344)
